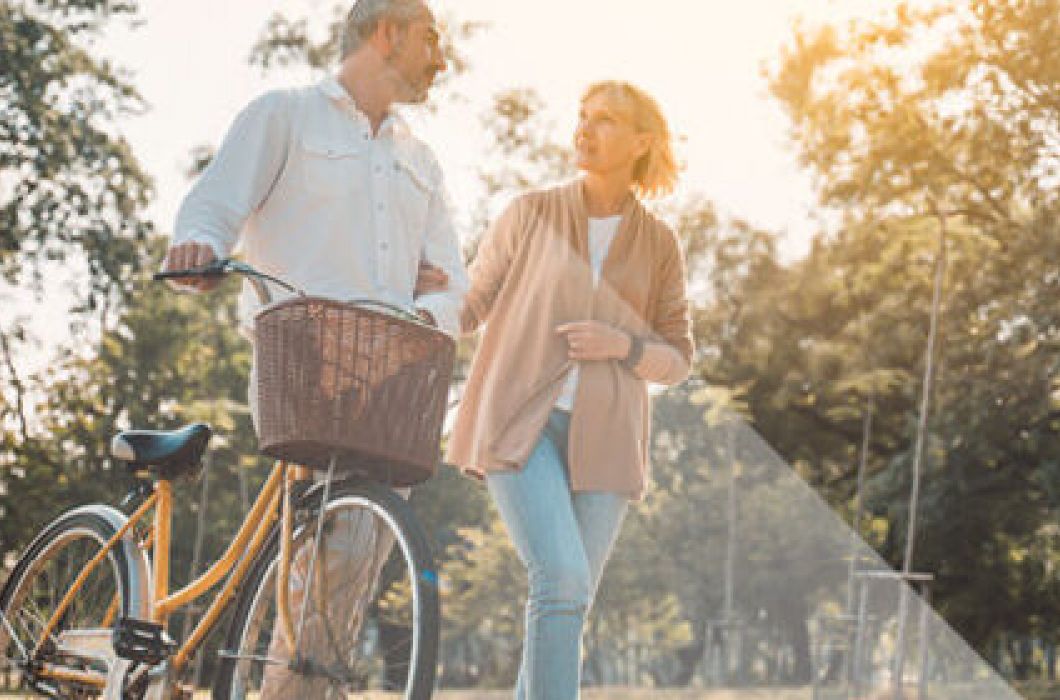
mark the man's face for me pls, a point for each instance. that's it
(417, 58)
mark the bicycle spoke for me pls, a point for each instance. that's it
(360, 585)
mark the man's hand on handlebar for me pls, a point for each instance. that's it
(188, 255)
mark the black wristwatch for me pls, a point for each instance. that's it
(636, 349)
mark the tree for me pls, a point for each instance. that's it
(69, 183)
(937, 120)
(71, 198)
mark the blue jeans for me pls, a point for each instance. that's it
(564, 539)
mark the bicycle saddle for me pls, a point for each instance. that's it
(169, 453)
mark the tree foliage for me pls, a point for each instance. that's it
(70, 189)
(946, 116)
(927, 120)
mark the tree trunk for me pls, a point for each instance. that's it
(688, 656)
(793, 618)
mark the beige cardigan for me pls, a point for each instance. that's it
(532, 274)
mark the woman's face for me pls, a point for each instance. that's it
(605, 140)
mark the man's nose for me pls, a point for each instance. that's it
(439, 63)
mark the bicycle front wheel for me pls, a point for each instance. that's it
(365, 622)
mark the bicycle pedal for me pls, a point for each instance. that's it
(142, 641)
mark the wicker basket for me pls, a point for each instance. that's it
(335, 378)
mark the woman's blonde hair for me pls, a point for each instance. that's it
(654, 173)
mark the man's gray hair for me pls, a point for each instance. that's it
(364, 17)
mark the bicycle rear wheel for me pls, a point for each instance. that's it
(77, 659)
(371, 621)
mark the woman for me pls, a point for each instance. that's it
(584, 294)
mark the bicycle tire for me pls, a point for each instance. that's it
(250, 632)
(123, 577)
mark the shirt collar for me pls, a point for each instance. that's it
(394, 123)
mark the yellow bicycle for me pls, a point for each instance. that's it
(330, 581)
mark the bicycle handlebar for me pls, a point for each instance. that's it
(257, 279)
(224, 266)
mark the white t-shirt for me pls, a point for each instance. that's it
(601, 233)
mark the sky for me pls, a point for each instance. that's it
(702, 59)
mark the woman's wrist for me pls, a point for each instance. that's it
(634, 352)
(623, 343)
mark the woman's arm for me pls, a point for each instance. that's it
(667, 356)
(490, 267)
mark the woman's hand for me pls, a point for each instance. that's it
(594, 340)
(430, 278)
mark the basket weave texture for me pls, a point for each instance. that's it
(335, 378)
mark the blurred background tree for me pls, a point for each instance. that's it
(921, 118)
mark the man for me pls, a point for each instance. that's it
(326, 188)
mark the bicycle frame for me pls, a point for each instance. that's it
(272, 503)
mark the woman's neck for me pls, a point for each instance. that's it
(604, 195)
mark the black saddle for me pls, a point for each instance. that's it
(168, 454)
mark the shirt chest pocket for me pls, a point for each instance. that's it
(329, 167)
(411, 190)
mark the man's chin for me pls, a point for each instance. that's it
(415, 98)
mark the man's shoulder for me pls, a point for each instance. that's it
(275, 101)
(418, 155)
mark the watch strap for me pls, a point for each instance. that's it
(636, 350)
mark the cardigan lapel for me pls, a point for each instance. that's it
(579, 221)
(623, 240)
(579, 225)
(619, 250)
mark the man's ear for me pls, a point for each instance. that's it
(380, 38)
(387, 36)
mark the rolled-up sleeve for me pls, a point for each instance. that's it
(442, 249)
(240, 176)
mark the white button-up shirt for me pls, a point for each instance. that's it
(311, 197)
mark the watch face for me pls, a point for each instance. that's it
(636, 349)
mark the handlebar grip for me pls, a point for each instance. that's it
(217, 268)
